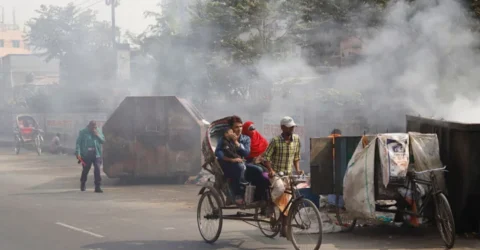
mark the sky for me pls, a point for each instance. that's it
(129, 13)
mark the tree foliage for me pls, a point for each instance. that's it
(74, 37)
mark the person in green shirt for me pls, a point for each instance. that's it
(89, 152)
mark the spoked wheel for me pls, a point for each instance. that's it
(209, 216)
(38, 145)
(16, 144)
(304, 227)
(444, 220)
(267, 219)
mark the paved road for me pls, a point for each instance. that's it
(42, 208)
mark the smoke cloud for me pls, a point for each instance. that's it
(422, 59)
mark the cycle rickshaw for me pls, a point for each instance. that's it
(27, 132)
(303, 222)
(397, 174)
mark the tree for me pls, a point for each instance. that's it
(320, 25)
(74, 36)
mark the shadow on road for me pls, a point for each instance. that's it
(155, 245)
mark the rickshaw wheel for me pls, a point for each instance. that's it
(297, 214)
(16, 145)
(38, 145)
(209, 216)
(272, 228)
(347, 226)
(444, 220)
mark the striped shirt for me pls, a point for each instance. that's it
(283, 154)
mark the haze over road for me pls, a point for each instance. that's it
(42, 208)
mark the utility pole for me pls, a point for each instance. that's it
(113, 5)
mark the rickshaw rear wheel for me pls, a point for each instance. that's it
(444, 220)
(295, 217)
(38, 145)
(272, 228)
(211, 218)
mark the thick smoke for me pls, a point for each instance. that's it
(421, 59)
(424, 60)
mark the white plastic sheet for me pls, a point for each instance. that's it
(394, 156)
(358, 183)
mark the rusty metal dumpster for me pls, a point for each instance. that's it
(460, 151)
(154, 136)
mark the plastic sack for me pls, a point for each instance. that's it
(282, 202)
(278, 187)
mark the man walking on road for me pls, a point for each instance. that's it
(89, 151)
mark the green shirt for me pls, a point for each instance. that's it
(87, 140)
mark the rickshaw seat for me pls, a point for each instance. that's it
(27, 130)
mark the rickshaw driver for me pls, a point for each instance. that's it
(283, 152)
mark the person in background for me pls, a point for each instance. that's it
(89, 152)
(56, 146)
(233, 170)
(335, 133)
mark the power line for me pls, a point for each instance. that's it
(95, 3)
(81, 2)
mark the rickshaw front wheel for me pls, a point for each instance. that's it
(38, 145)
(304, 226)
(209, 216)
(16, 145)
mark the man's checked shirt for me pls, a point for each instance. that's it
(282, 154)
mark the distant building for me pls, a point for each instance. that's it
(12, 41)
(21, 72)
(350, 50)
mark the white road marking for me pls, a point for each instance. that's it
(79, 230)
(169, 228)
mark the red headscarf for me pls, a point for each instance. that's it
(258, 143)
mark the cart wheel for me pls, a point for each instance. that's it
(344, 220)
(38, 145)
(304, 225)
(209, 216)
(267, 222)
(16, 145)
(444, 220)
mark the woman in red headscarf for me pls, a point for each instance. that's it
(254, 173)
(258, 143)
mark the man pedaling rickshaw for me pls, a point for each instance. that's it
(283, 152)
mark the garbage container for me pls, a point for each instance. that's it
(459, 150)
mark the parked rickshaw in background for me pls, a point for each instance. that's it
(27, 132)
(382, 178)
(303, 222)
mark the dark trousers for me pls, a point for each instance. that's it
(96, 162)
(235, 172)
(254, 174)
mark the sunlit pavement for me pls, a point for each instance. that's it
(42, 208)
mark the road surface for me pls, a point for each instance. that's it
(42, 208)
